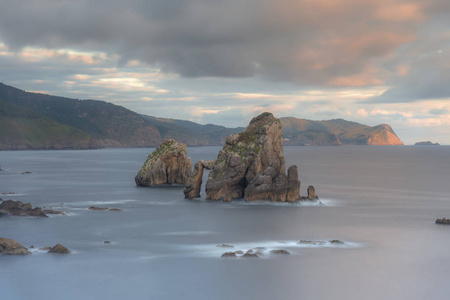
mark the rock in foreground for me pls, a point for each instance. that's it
(11, 247)
(18, 208)
(58, 248)
(251, 165)
(168, 164)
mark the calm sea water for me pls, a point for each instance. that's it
(381, 201)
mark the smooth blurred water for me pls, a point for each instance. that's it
(382, 201)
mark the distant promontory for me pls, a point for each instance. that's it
(427, 143)
(39, 121)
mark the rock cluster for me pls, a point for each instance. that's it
(11, 247)
(443, 221)
(251, 165)
(168, 164)
(18, 208)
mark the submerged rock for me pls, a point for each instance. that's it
(337, 242)
(443, 221)
(18, 208)
(280, 251)
(58, 248)
(98, 208)
(168, 164)
(250, 254)
(225, 246)
(54, 212)
(11, 247)
(194, 184)
(251, 165)
(104, 208)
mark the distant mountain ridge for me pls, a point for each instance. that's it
(39, 121)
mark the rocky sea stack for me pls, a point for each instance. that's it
(168, 164)
(251, 165)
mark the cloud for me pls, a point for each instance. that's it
(319, 42)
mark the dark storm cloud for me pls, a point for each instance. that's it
(307, 42)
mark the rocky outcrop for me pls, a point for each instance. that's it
(168, 164)
(104, 208)
(11, 247)
(280, 251)
(60, 249)
(194, 184)
(312, 193)
(251, 165)
(18, 208)
(228, 254)
(443, 221)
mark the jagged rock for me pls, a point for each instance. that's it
(18, 208)
(58, 248)
(11, 247)
(194, 184)
(443, 221)
(229, 254)
(280, 251)
(251, 165)
(106, 242)
(168, 164)
(46, 248)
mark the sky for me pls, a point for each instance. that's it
(225, 61)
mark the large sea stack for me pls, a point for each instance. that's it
(168, 164)
(251, 165)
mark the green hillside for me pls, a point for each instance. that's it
(39, 121)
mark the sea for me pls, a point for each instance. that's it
(381, 202)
